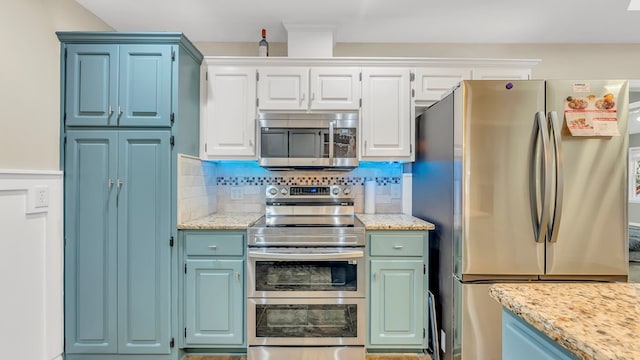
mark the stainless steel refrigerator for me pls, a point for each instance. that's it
(524, 181)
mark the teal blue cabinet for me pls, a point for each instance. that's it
(521, 341)
(397, 286)
(214, 304)
(118, 85)
(91, 250)
(118, 230)
(130, 105)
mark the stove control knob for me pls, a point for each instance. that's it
(283, 191)
(347, 191)
(336, 191)
(273, 191)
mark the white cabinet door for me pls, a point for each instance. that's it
(432, 83)
(501, 74)
(230, 113)
(386, 114)
(283, 88)
(335, 88)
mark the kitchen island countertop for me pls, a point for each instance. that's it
(222, 221)
(393, 222)
(592, 320)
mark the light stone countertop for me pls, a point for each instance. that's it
(592, 320)
(222, 221)
(393, 222)
(240, 221)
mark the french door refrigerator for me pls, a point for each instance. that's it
(524, 181)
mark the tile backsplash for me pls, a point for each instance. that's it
(208, 187)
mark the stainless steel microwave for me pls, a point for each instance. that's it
(308, 140)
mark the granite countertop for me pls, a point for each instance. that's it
(592, 320)
(222, 221)
(239, 221)
(393, 222)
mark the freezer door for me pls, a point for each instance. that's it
(477, 332)
(592, 235)
(496, 239)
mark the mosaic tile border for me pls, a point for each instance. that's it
(304, 180)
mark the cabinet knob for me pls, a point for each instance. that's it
(213, 247)
(120, 183)
(109, 184)
(238, 276)
(398, 247)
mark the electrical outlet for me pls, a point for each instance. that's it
(37, 199)
(237, 193)
(41, 196)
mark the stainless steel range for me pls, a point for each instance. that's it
(305, 278)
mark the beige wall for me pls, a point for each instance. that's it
(30, 78)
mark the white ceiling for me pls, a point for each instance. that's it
(458, 21)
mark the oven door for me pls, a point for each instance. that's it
(305, 272)
(306, 322)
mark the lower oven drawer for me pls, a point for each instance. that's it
(306, 322)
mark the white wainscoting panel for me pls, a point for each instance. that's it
(31, 264)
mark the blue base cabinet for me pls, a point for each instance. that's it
(521, 341)
(397, 285)
(214, 302)
(121, 132)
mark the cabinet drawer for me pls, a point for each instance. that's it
(214, 244)
(396, 244)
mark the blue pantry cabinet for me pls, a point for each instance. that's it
(130, 104)
(397, 287)
(118, 85)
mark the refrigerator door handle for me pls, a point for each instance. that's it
(540, 223)
(559, 184)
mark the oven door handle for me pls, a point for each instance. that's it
(306, 256)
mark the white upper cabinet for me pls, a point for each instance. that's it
(304, 88)
(283, 88)
(434, 82)
(387, 116)
(229, 114)
(501, 73)
(335, 88)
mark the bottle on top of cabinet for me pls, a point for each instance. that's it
(263, 45)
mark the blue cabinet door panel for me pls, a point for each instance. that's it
(521, 341)
(143, 242)
(90, 225)
(91, 85)
(396, 309)
(145, 85)
(214, 302)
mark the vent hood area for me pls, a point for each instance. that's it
(310, 41)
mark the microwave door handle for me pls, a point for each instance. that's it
(306, 256)
(331, 144)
